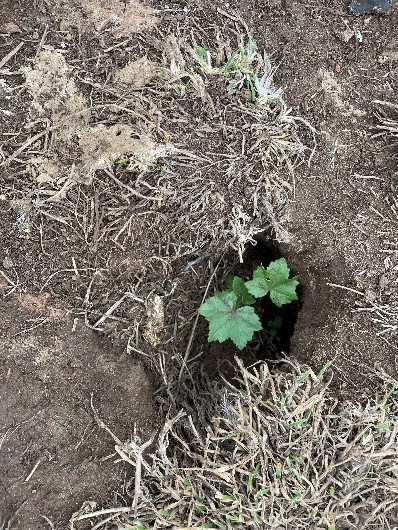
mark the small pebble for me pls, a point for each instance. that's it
(8, 263)
(75, 363)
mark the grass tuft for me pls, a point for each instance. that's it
(273, 450)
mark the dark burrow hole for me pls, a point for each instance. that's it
(276, 338)
(218, 359)
(272, 343)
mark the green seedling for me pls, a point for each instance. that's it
(384, 401)
(225, 498)
(199, 505)
(122, 161)
(253, 474)
(242, 69)
(229, 312)
(275, 281)
(324, 369)
(213, 525)
(262, 492)
(235, 518)
(296, 496)
(239, 68)
(229, 321)
(301, 422)
(242, 59)
(203, 59)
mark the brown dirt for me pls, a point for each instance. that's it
(74, 241)
(122, 18)
(50, 366)
(343, 220)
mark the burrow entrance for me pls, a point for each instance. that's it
(272, 343)
(278, 322)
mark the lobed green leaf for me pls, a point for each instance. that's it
(228, 322)
(275, 281)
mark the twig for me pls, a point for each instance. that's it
(109, 312)
(114, 307)
(42, 40)
(51, 524)
(13, 285)
(31, 328)
(33, 470)
(11, 54)
(102, 425)
(138, 470)
(123, 509)
(345, 288)
(66, 270)
(130, 189)
(189, 346)
(119, 449)
(101, 523)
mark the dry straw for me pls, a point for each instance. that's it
(273, 450)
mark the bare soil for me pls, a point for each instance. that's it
(53, 454)
(78, 231)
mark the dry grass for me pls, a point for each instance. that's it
(274, 450)
(232, 192)
(388, 122)
(190, 166)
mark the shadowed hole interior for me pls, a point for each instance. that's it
(272, 343)
(278, 322)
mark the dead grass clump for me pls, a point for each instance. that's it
(275, 450)
(388, 122)
(240, 177)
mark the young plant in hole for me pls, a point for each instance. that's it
(229, 312)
